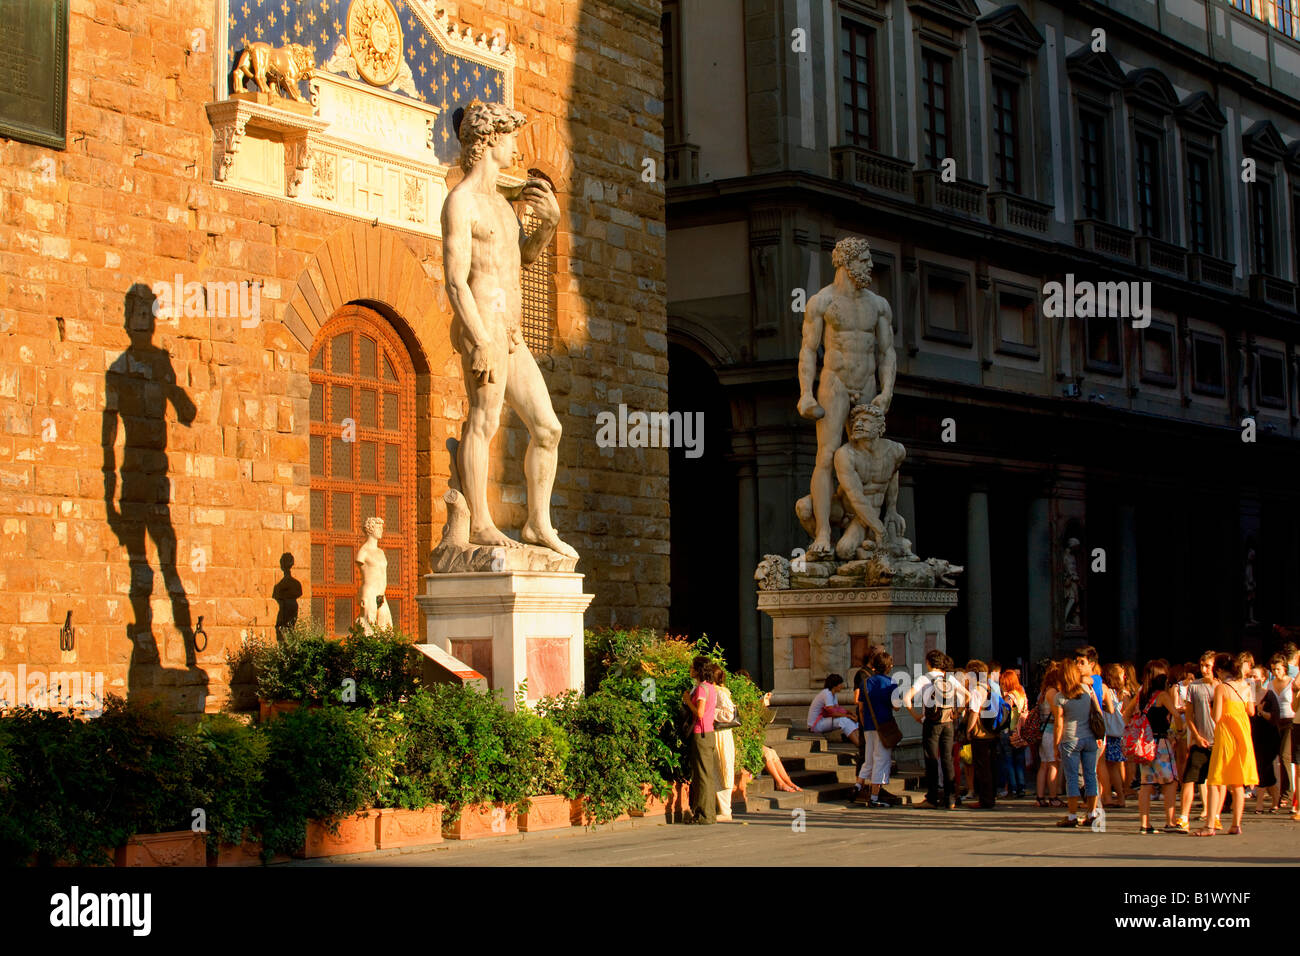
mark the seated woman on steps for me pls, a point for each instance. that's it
(771, 761)
(824, 714)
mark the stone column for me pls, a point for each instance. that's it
(979, 575)
(1039, 545)
(1126, 567)
(751, 657)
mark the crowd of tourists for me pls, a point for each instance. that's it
(1197, 736)
(1207, 737)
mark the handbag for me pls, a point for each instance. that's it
(889, 732)
(731, 724)
(1096, 719)
(1029, 732)
(1139, 738)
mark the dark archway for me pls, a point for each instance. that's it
(704, 521)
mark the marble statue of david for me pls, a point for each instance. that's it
(484, 247)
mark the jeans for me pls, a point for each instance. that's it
(981, 765)
(1016, 756)
(937, 741)
(1076, 750)
(1002, 763)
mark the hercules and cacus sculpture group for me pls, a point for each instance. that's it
(856, 470)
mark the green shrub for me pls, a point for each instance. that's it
(608, 755)
(229, 779)
(149, 764)
(321, 765)
(308, 665)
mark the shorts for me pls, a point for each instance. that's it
(1114, 749)
(1197, 769)
(1047, 749)
(1161, 770)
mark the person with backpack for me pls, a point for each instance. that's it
(986, 712)
(938, 695)
(1015, 755)
(1151, 715)
(1075, 732)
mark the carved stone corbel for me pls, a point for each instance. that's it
(227, 138)
(297, 158)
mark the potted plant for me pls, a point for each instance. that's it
(543, 754)
(406, 813)
(229, 786)
(608, 757)
(320, 772)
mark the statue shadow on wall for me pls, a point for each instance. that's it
(139, 385)
(286, 594)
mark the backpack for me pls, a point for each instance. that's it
(1139, 738)
(1029, 731)
(1001, 718)
(940, 714)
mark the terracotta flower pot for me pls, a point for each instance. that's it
(356, 835)
(654, 806)
(547, 812)
(176, 848)
(400, 828)
(266, 709)
(248, 853)
(579, 814)
(481, 820)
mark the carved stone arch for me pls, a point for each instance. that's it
(1150, 88)
(543, 147)
(700, 339)
(361, 263)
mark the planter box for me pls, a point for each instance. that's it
(655, 806)
(247, 853)
(177, 848)
(477, 821)
(266, 709)
(578, 814)
(547, 812)
(356, 835)
(400, 828)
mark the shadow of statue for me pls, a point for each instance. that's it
(286, 593)
(137, 496)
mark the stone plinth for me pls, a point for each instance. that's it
(510, 627)
(820, 631)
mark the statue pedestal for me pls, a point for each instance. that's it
(820, 631)
(510, 626)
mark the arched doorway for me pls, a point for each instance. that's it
(362, 428)
(704, 520)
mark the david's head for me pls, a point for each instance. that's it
(866, 422)
(374, 527)
(853, 255)
(488, 127)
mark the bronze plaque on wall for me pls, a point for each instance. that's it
(34, 71)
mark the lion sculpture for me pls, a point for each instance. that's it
(285, 66)
(773, 573)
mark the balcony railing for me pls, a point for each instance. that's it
(1208, 270)
(961, 196)
(1273, 291)
(859, 166)
(1102, 237)
(1160, 256)
(682, 164)
(1017, 212)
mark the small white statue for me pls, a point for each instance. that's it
(375, 614)
(1070, 580)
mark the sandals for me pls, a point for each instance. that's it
(1234, 831)
(1042, 801)
(1206, 832)
(1054, 802)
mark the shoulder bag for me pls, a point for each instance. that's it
(889, 732)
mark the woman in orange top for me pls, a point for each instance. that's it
(1232, 761)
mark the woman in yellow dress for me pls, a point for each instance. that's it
(1232, 761)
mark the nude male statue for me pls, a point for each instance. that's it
(375, 614)
(867, 468)
(855, 328)
(484, 246)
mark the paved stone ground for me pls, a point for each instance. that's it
(1016, 833)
